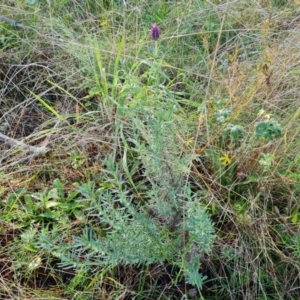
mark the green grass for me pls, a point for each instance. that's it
(163, 169)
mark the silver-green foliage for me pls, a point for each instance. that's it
(129, 236)
(169, 225)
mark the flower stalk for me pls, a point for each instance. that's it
(155, 33)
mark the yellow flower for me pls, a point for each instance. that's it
(189, 142)
(103, 23)
(225, 159)
(261, 113)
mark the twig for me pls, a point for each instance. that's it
(35, 151)
(15, 143)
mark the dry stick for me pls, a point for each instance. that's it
(35, 151)
(15, 143)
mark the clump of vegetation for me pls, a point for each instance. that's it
(149, 150)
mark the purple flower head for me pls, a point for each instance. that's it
(155, 32)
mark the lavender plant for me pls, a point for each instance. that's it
(155, 34)
(172, 226)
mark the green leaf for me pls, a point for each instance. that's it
(193, 275)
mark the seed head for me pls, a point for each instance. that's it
(155, 32)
